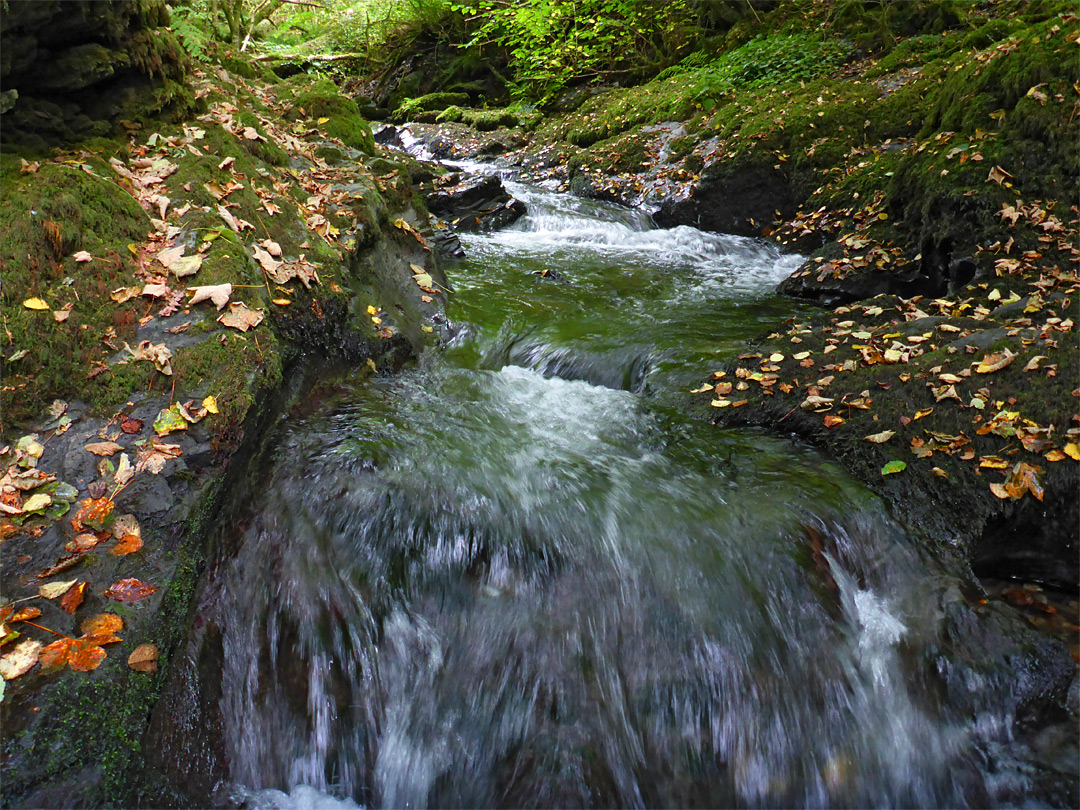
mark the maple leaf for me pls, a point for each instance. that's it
(94, 512)
(218, 294)
(240, 317)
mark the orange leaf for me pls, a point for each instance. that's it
(24, 614)
(73, 598)
(129, 590)
(833, 421)
(85, 655)
(144, 658)
(55, 655)
(104, 624)
(129, 544)
(94, 512)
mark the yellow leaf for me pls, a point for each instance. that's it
(371, 310)
(35, 303)
(52, 590)
(210, 404)
(323, 120)
(282, 302)
(1072, 450)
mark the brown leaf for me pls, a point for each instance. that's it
(104, 448)
(74, 597)
(82, 542)
(129, 590)
(833, 421)
(63, 564)
(85, 655)
(144, 658)
(240, 317)
(130, 425)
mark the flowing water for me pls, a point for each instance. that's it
(516, 576)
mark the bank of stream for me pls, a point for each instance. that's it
(518, 575)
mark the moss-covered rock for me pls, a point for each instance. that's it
(84, 69)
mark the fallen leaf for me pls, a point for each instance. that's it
(156, 353)
(82, 542)
(1072, 450)
(124, 471)
(240, 317)
(128, 544)
(170, 255)
(186, 266)
(35, 303)
(21, 659)
(104, 448)
(104, 624)
(192, 411)
(210, 404)
(37, 502)
(52, 590)
(122, 295)
(833, 421)
(995, 362)
(893, 467)
(74, 597)
(144, 658)
(80, 654)
(129, 590)
(216, 293)
(83, 256)
(169, 420)
(879, 438)
(155, 290)
(940, 473)
(61, 315)
(266, 260)
(131, 425)
(125, 525)
(94, 512)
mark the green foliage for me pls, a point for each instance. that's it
(553, 43)
(765, 60)
(191, 24)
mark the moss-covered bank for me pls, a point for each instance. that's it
(270, 197)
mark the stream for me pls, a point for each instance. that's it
(515, 575)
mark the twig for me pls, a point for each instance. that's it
(47, 630)
(786, 415)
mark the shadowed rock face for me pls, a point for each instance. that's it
(76, 69)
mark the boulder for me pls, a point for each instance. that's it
(475, 203)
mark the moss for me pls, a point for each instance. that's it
(430, 102)
(233, 370)
(321, 99)
(46, 218)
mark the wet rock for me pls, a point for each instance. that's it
(388, 136)
(475, 204)
(740, 199)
